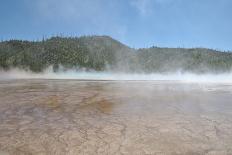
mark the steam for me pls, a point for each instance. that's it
(84, 75)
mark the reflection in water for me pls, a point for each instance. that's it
(106, 117)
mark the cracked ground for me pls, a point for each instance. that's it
(60, 117)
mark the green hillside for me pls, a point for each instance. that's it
(101, 53)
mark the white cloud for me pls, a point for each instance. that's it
(142, 6)
(145, 7)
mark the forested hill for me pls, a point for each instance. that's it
(101, 53)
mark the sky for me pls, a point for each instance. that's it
(136, 23)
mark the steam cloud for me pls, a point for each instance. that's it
(83, 75)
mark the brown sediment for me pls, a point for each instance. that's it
(104, 117)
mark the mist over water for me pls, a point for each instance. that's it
(107, 75)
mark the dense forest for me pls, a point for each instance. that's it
(102, 53)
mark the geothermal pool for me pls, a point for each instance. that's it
(115, 117)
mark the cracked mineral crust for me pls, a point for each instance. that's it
(73, 117)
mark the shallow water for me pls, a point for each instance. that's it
(110, 117)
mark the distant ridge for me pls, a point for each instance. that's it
(103, 53)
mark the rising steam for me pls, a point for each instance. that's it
(83, 75)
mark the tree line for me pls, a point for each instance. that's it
(101, 53)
